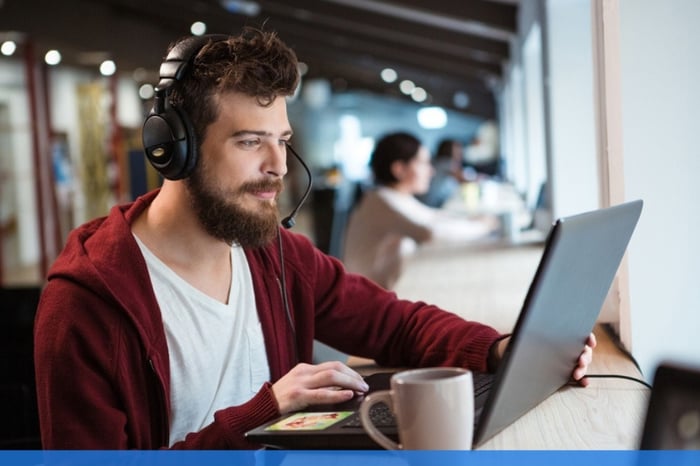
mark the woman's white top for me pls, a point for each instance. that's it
(387, 225)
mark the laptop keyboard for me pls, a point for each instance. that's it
(381, 415)
(482, 382)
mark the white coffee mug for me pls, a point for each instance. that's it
(433, 407)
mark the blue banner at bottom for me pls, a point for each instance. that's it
(349, 458)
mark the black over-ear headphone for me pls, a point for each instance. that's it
(168, 135)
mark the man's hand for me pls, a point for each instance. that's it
(326, 383)
(584, 360)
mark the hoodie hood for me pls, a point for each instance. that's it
(95, 258)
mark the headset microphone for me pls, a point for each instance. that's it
(288, 221)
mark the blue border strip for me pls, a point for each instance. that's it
(349, 458)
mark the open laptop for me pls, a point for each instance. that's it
(581, 256)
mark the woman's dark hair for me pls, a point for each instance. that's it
(390, 148)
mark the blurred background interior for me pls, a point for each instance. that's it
(570, 104)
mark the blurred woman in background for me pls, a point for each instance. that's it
(389, 222)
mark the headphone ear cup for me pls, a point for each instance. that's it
(170, 143)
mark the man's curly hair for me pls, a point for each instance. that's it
(256, 63)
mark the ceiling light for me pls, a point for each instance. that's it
(406, 86)
(146, 91)
(198, 28)
(303, 68)
(316, 93)
(460, 99)
(389, 75)
(432, 117)
(8, 47)
(241, 7)
(52, 57)
(107, 68)
(419, 94)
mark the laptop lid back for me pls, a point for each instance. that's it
(581, 257)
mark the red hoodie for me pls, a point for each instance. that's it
(101, 355)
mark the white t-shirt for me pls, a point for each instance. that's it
(217, 352)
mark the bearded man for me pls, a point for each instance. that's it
(187, 317)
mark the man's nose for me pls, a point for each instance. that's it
(276, 161)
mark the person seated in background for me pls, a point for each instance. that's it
(449, 174)
(389, 222)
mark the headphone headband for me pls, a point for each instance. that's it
(181, 56)
(168, 136)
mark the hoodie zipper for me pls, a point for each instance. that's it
(165, 428)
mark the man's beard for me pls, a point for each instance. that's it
(221, 215)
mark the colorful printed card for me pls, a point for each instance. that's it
(310, 421)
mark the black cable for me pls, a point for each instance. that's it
(617, 376)
(618, 343)
(285, 301)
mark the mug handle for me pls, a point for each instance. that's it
(374, 433)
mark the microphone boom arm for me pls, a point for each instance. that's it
(289, 221)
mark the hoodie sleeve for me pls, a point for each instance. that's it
(358, 317)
